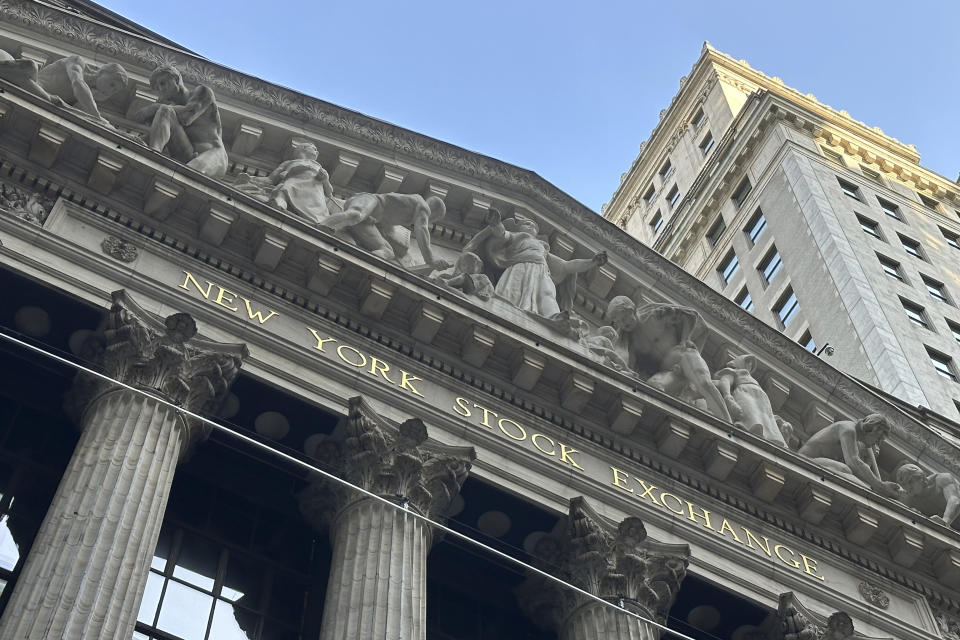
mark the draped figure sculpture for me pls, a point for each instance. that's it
(746, 400)
(532, 278)
(300, 185)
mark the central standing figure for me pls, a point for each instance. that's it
(530, 272)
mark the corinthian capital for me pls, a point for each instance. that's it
(394, 462)
(161, 356)
(614, 562)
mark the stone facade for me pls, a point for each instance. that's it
(462, 354)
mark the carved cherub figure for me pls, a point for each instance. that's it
(661, 333)
(185, 123)
(926, 492)
(747, 401)
(377, 221)
(847, 447)
(67, 81)
(468, 277)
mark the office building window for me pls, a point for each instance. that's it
(832, 155)
(912, 247)
(698, 119)
(650, 195)
(954, 330)
(786, 307)
(935, 289)
(869, 226)
(666, 170)
(673, 196)
(713, 235)
(706, 143)
(740, 194)
(849, 189)
(952, 238)
(916, 313)
(929, 202)
(728, 267)
(744, 300)
(806, 340)
(943, 364)
(770, 265)
(870, 173)
(755, 226)
(891, 268)
(890, 209)
(656, 222)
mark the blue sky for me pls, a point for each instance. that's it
(570, 90)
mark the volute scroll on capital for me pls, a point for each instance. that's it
(393, 462)
(615, 562)
(160, 356)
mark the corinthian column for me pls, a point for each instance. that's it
(85, 574)
(617, 564)
(378, 576)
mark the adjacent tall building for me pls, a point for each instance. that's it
(816, 223)
(357, 306)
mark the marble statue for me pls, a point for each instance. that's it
(300, 185)
(468, 277)
(377, 221)
(66, 82)
(185, 123)
(603, 344)
(846, 447)
(659, 334)
(530, 273)
(746, 400)
(926, 492)
(789, 433)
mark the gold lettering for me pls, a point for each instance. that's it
(810, 567)
(407, 380)
(382, 369)
(220, 301)
(618, 481)
(486, 415)
(648, 491)
(703, 514)
(257, 314)
(553, 445)
(523, 432)
(363, 358)
(565, 453)
(751, 539)
(663, 499)
(793, 562)
(725, 526)
(190, 278)
(320, 341)
(461, 407)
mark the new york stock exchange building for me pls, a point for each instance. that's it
(275, 370)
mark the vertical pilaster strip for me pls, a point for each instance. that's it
(377, 584)
(84, 577)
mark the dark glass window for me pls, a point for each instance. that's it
(650, 194)
(916, 313)
(787, 307)
(706, 144)
(807, 341)
(912, 247)
(756, 226)
(929, 202)
(952, 238)
(770, 265)
(954, 330)
(713, 235)
(698, 119)
(666, 170)
(673, 196)
(869, 226)
(935, 289)
(890, 208)
(728, 268)
(870, 173)
(943, 364)
(849, 189)
(891, 267)
(656, 223)
(832, 155)
(743, 190)
(744, 300)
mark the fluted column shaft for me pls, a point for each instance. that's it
(84, 576)
(91, 556)
(377, 588)
(594, 621)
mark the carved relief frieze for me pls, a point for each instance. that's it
(119, 249)
(31, 206)
(873, 594)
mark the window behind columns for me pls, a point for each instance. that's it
(36, 437)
